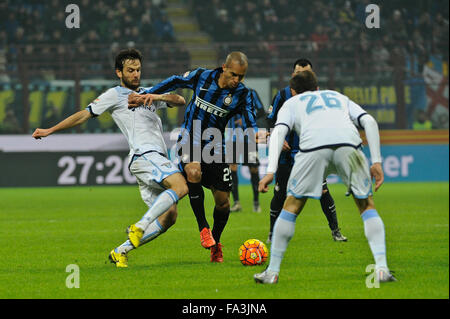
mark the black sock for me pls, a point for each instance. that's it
(328, 208)
(197, 199)
(220, 220)
(235, 187)
(276, 205)
(254, 177)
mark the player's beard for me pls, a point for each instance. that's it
(130, 85)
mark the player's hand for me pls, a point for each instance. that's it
(286, 147)
(149, 98)
(135, 100)
(261, 137)
(264, 183)
(41, 132)
(376, 171)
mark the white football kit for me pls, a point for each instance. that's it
(326, 122)
(142, 128)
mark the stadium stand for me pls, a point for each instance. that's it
(177, 35)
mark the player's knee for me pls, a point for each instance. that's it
(223, 205)
(365, 204)
(194, 175)
(177, 183)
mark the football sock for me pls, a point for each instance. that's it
(328, 208)
(374, 231)
(254, 177)
(282, 233)
(159, 206)
(275, 208)
(124, 248)
(235, 187)
(197, 199)
(220, 221)
(153, 230)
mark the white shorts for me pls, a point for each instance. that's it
(311, 168)
(150, 169)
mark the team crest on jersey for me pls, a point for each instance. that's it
(270, 109)
(228, 100)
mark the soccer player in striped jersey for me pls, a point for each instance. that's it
(249, 158)
(286, 161)
(219, 95)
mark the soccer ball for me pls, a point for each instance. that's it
(253, 252)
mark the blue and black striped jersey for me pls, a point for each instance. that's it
(292, 138)
(237, 120)
(210, 104)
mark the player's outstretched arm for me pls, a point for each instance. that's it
(135, 100)
(73, 120)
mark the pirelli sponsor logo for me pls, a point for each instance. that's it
(210, 108)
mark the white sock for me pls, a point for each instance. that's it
(159, 207)
(153, 230)
(283, 230)
(374, 231)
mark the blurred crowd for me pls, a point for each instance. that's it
(36, 33)
(282, 30)
(273, 33)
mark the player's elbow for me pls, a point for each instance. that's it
(177, 101)
(83, 116)
(368, 121)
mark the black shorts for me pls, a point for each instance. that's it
(214, 175)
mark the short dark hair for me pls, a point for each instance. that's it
(302, 62)
(304, 81)
(127, 54)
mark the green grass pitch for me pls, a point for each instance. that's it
(43, 230)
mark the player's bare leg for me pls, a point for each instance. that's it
(193, 172)
(221, 214)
